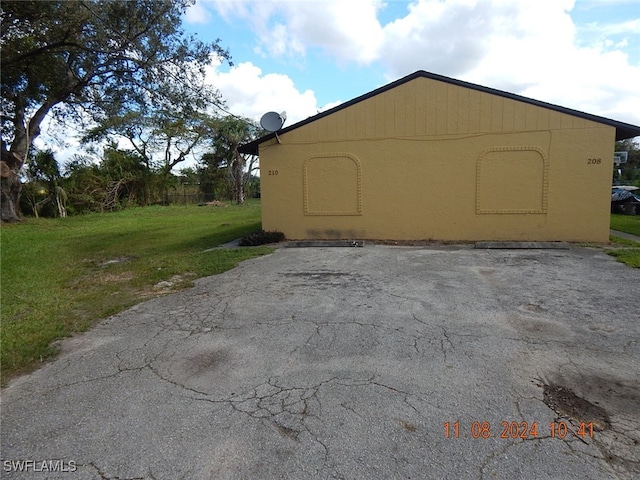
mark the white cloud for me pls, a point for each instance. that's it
(526, 47)
(456, 36)
(250, 93)
(330, 26)
(541, 60)
(631, 27)
(589, 4)
(290, 28)
(443, 37)
(197, 14)
(329, 106)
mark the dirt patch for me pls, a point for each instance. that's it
(172, 285)
(173, 281)
(215, 203)
(115, 278)
(566, 403)
(113, 261)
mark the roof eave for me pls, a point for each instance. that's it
(630, 131)
(251, 148)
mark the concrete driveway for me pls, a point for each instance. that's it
(350, 363)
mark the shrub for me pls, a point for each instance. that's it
(260, 238)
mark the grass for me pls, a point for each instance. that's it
(626, 223)
(623, 241)
(630, 255)
(60, 276)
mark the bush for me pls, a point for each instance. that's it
(260, 238)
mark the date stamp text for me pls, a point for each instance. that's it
(514, 430)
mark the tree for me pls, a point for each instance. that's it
(162, 137)
(213, 177)
(630, 171)
(85, 184)
(66, 59)
(129, 180)
(44, 185)
(230, 132)
(121, 178)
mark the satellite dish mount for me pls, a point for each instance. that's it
(273, 121)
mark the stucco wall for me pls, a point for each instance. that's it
(429, 160)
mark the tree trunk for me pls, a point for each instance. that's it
(237, 170)
(10, 165)
(61, 200)
(12, 160)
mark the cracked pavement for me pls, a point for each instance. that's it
(345, 363)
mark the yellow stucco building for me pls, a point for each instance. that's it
(430, 157)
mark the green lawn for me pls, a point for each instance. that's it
(626, 223)
(629, 224)
(60, 276)
(628, 256)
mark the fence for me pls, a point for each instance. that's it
(189, 198)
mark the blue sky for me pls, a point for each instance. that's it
(305, 56)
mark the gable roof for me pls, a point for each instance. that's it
(623, 130)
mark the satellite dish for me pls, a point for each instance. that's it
(273, 121)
